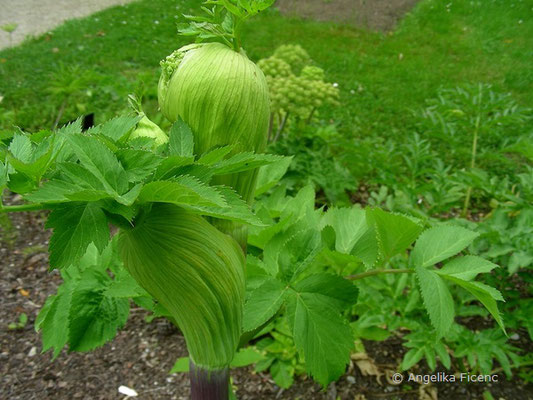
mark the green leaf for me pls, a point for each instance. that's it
(183, 191)
(334, 290)
(367, 248)
(53, 320)
(271, 174)
(139, 164)
(236, 209)
(439, 243)
(181, 140)
(282, 374)
(100, 161)
(467, 268)
(181, 365)
(443, 355)
(321, 335)
(124, 286)
(171, 166)
(245, 357)
(395, 232)
(72, 128)
(263, 303)
(411, 358)
(430, 357)
(304, 247)
(349, 225)
(21, 148)
(437, 299)
(75, 227)
(59, 191)
(485, 294)
(215, 155)
(117, 128)
(94, 317)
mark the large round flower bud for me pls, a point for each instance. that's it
(223, 97)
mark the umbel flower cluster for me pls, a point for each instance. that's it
(296, 87)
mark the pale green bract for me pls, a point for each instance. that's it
(196, 272)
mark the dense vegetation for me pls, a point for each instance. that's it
(431, 122)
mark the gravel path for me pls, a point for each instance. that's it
(38, 16)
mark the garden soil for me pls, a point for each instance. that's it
(34, 17)
(379, 15)
(142, 353)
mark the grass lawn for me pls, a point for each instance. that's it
(383, 77)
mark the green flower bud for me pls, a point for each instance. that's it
(196, 272)
(147, 128)
(223, 97)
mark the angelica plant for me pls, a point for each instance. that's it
(181, 201)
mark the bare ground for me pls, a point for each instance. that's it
(34, 17)
(379, 15)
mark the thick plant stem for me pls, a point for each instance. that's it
(209, 385)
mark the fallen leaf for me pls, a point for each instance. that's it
(23, 292)
(366, 365)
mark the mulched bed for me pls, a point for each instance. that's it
(380, 15)
(142, 353)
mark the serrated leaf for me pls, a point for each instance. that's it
(181, 140)
(171, 166)
(138, 164)
(437, 300)
(395, 232)
(338, 292)
(53, 320)
(100, 161)
(439, 243)
(183, 191)
(367, 248)
(21, 148)
(485, 294)
(237, 209)
(75, 227)
(215, 155)
(94, 317)
(263, 303)
(282, 373)
(117, 128)
(443, 355)
(124, 286)
(71, 128)
(467, 268)
(59, 191)
(349, 225)
(322, 336)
